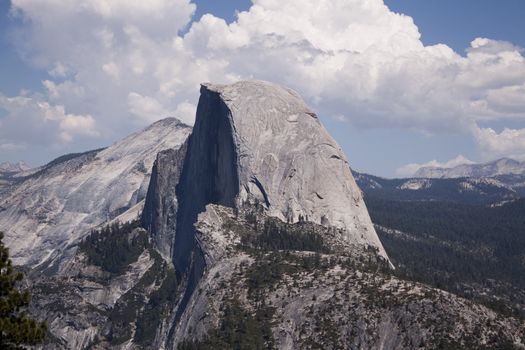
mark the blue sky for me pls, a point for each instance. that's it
(456, 23)
(53, 99)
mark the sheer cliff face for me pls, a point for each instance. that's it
(159, 216)
(210, 172)
(259, 142)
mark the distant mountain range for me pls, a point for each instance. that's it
(464, 235)
(503, 166)
(470, 190)
(7, 167)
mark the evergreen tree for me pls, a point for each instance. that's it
(16, 328)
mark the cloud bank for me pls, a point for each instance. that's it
(115, 65)
(409, 170)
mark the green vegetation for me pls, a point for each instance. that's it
(277, 235)
(239, 330)
(279, 249)
(115, 246)
(149, 302)
(271, 234)
(458, 247)
(145, 310)
(16, 328)
(160, 303)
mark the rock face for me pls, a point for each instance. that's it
(100, 302)
(17, 167)
(504, 166)
(47, 211)
(340, 298)
(161, 204)
(9, 172)
(256, 142)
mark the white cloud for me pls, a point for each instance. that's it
(145, 107)
(408, 170)
(30, 121)
(186, 112)
(507, 143)
(58, 71)
(111, 69)
(117, 59)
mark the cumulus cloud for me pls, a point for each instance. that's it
(145, 107)
(507, 143)
(30, 121)
(186, 112)
(121, 61)
(408, 170)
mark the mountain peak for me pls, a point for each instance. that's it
(169, 121)
(261, 92)
(281, 156)
(51, 209)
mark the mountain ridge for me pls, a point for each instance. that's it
(502, 166)
(45, 212)
(483, 190)
(7, 167)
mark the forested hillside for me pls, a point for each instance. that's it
(476, 251)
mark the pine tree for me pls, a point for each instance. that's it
(16, 328)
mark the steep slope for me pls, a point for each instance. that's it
(161, 204)
(256, 142)
(114, 293)
(266, 284)
(9, 172)
(45, 212)
(262, 289)
(503, 166)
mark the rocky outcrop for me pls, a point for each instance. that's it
(159, 216)
(13, 168)
(256, 142)
(344, 298)
(103, 302)
(288, 162)
(49, 210)
(484, 191)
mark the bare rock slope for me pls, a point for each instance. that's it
(319, 293)
(256, 142)
(47, 211)
(289, 162)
